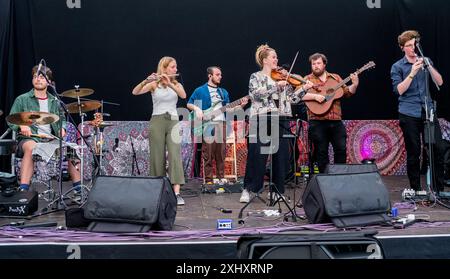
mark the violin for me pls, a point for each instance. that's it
(293, 79)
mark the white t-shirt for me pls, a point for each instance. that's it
(216, 102)
(43, 106)
(164, 100)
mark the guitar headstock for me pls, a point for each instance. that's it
(367, 66)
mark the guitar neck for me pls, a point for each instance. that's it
(224, 108)
(347, 79)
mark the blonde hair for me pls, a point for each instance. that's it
(162, 66)
(262, 52)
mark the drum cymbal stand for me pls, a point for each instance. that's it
(82, 187)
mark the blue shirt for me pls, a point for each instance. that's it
(412, 100)
(202, 99)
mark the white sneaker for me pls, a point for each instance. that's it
(180, 200)
(223, 181)
(245, 196)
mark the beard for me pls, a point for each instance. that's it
(318, 72)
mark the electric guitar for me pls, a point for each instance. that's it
(333, 90)
(209, 114)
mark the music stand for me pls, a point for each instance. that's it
(280, 197)
(257, 195)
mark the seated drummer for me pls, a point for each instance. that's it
(37, 100)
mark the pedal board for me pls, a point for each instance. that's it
(411, 194)
(225, 188)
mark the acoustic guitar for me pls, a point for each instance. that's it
(333, 91)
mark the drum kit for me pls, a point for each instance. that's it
(81, 106)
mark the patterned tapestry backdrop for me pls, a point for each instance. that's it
(119, 160)
(381, 140)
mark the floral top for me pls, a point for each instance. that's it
(264, 93)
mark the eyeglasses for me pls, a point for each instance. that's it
(36, 76)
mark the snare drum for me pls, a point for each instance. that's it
(72, 154)
(68, 154)
(8, 146)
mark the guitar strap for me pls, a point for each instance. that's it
(219, 91)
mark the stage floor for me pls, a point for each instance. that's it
(196, 222)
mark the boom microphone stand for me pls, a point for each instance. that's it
(429, 133)
(134, 160)
(60, 200)
(61, 112)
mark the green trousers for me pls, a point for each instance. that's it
(164, 133)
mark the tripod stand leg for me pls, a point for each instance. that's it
(280, 197)
(249, 202)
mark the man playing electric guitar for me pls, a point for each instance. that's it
(211, 97)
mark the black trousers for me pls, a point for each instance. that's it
(324, 132)
(413, 134)
(257, 157)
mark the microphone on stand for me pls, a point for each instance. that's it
(40, 68)
(116, 145)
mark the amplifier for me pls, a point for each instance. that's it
(19, 204)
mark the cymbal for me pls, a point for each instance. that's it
(80, 92)
(85, 106)
(30, 118)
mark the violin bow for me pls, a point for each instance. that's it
(289, 74)
(292, 65)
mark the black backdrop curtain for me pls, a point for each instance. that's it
(112, 45)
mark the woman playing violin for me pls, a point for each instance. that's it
(270, 102)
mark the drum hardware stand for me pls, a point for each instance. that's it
(99, 131)
(13, 171)
(82, 115)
